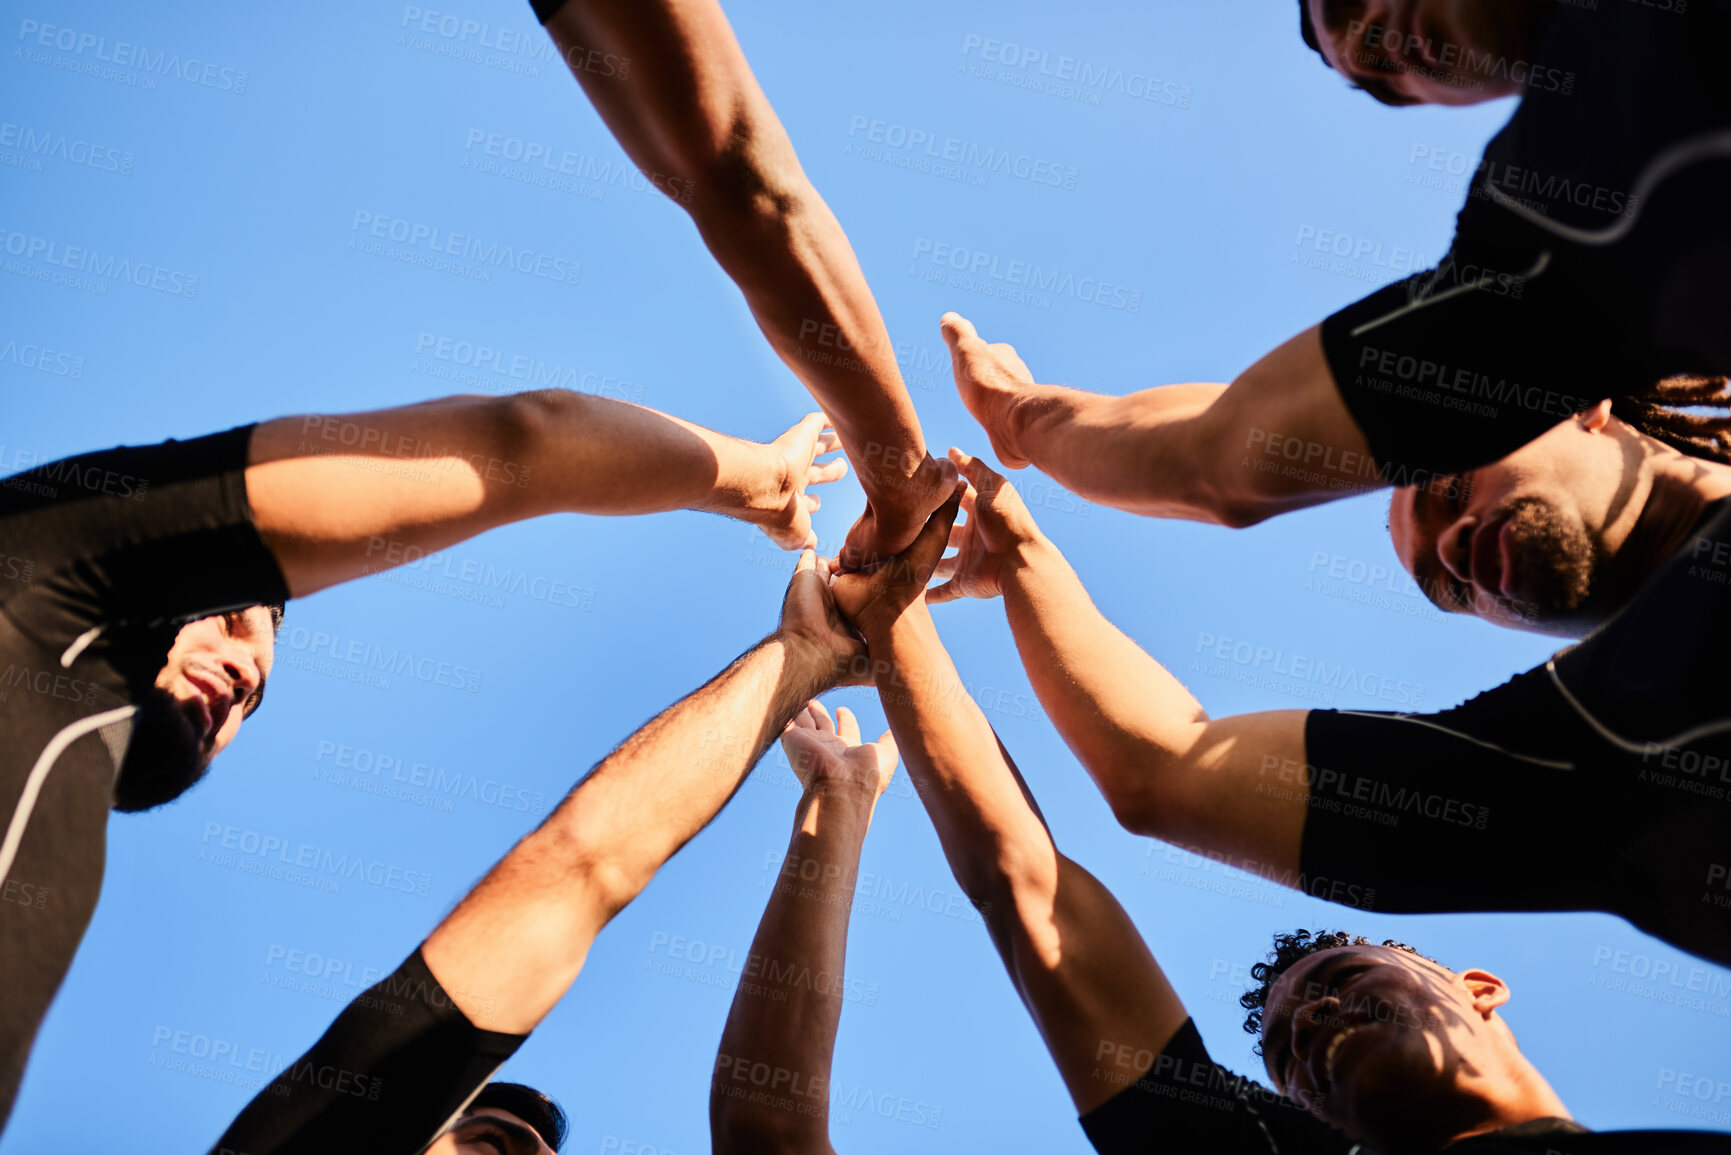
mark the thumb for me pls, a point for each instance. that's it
(922, 556)
(956, 329)
(886, 746)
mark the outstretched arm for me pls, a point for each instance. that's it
(689, 112)
(339, 497)
(789, 1029)
(1076, 959)
(1278, 438)
(1167, 768)
(517, 941)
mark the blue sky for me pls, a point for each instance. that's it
(1225, 184)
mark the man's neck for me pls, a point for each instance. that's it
(1680, 491)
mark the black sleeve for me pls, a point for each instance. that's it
(1411, 812)
(1186, 1103)
(1456, 367)
(389, 1074)
(145, 535)
(545, 9)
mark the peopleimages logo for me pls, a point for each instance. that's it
(425, 243)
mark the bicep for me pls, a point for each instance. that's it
(1235, 789)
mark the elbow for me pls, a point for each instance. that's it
(586, 861)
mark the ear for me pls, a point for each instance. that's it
(1595, 419)
(1486, 990)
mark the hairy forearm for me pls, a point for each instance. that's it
(789, 1028)
(517, 941)
(1128, 721)
(338, 497)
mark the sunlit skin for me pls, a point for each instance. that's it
(1633, 498)
(1398, 1051)
(489, 1131)
(1420, 50)
(216, 672)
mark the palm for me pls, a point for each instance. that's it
(788, 521)
(825, 752)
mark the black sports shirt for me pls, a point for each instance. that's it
(1599, 781)
(1187, 1103)
(392, 1071)
(101, 557)
(1592, 257)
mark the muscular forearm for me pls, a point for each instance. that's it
(519, 938)
(693, 116)
(1071, 951)
(990, 833)
(338, 497)
(786, 1027)
(1278, 438)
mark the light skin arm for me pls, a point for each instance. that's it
(791, 1027)
(1167, 769)
(1213, 453)
(510, 949)
(1100, 1000)
(339, 497)
(689, 113)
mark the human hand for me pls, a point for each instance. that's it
(812, 625)
(896, 507)
(823, 753)
(874, 599)
(780, 504)
(998, 526)
(994, 383)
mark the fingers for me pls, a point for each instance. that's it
(948, 592)
(956, 329)
(888, 754)
(820, 716)
(984, 478)
(823, 473)
(929, 546)
(828, 442)
(847, 726)
(807, 563)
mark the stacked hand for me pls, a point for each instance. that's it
(998, 526)
(810, 621)
(824, 753)
(896, 507)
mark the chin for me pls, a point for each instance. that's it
(165, 755)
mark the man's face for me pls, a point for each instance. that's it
(1522, 542)
(1426, 51)
(215, 674)
(489, 1131)
(1374, 1040)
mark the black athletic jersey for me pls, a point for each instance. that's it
(1591, 258)
(397, 1066)
(1187, 1103)
(1598, 781)
(101, 557)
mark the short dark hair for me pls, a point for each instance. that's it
(1308, 28)
(276, 616)
(1288, 949)
(538, 1110)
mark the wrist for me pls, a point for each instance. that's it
(808, 662)
(1027, 561)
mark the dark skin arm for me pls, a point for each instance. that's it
(689, 113)
(1075, 958)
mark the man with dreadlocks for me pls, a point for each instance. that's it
(1590, 259)
(1372, 1048)
(1598, 781)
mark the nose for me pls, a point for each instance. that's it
(1454, 548)
(241, 666)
